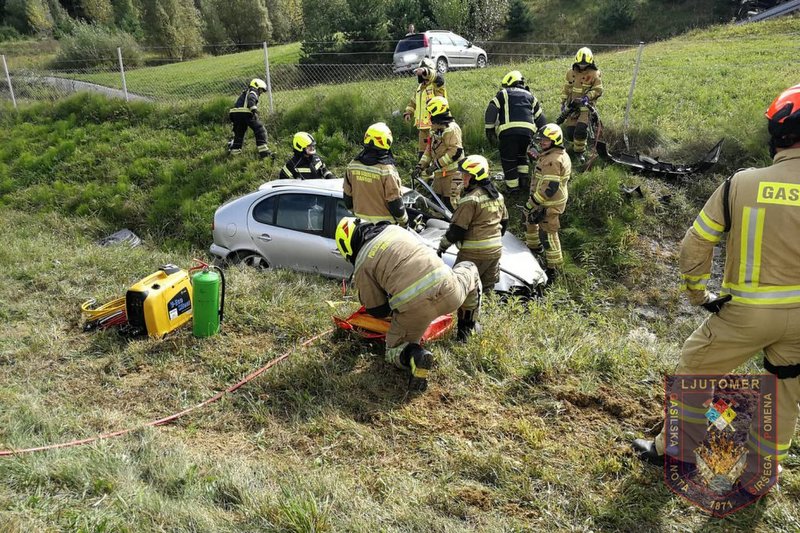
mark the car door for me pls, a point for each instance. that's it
(287, 229)
(339, 268)
(462, 51)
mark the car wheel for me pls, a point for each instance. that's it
(441, 64)
(251, 259)
(481, 62)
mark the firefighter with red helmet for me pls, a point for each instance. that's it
(583, 87)
(243, 115)
(757, 211)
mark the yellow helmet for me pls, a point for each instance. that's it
(476, 166)
(302, 140)
(584, 56)
(258, 83)
(437, 106)
(344, 236)
(379, 135)
(553, 132)
(511, 78)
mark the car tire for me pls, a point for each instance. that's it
(441, 65)
(251, 259)
(481, 63)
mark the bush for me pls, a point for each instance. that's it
(617, 15)
(173, 25)
(520, 19)
(9, 33)
(92, 46)
(28, 16)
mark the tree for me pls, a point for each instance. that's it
(616, 15)
(28, 16)
(173, 25)
(126, 17)
(245, 21)
(286, 17)
(98, 11)
(520, 19)
(451, 14)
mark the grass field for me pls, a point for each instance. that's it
(525, 428)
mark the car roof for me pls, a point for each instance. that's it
(318, 184)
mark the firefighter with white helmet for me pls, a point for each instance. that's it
(444, 151)
(372, 187)
(757, 210)
(479, 222)
(548, 199)
(430, 83)
(511, 119)
(583, 87)
(243, 115)
(397, 275)
(305, 163)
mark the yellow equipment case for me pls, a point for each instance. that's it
(160, 303)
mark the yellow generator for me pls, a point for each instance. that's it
(160, 303)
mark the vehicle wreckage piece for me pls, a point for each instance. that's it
(645, 164)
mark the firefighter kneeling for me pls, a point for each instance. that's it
(397, 275)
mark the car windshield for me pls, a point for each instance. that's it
(412, 42)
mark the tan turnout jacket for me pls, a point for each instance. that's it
(372, 187)
(481, 216)
(550, 179)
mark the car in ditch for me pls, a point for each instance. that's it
(290, 224)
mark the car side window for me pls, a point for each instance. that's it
(264, 211)
(443, 39)
(459, 41)
(301, 212)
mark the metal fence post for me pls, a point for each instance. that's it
(122, 73)
(269, 82)
(630, 95)
(8, 79)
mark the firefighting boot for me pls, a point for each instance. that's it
(646, 451)
(419, 361)
(466, 325)
(552, 276)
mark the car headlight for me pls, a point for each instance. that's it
(410, 58)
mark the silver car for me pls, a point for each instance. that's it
(291, 223)
(445, 48)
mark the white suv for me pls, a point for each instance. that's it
(447, 50)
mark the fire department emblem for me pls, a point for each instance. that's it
(720, 439)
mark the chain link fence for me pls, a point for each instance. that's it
(632, 73)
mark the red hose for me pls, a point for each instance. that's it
(172, 417)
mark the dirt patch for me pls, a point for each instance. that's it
(602, 399)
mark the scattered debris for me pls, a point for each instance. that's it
(123, 236)
(646, 164)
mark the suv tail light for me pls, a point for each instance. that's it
(425, 40)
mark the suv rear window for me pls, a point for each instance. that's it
(412, 42)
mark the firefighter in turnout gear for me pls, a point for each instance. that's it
(548, 199)
(396, 274)
(431, 83)
(243, 115)
(305, 164)
(371, 183)
(583, 87)
(511, 118)
(444, 151)
(479, 222)
(757, 211)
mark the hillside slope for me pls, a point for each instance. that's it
(526, 427)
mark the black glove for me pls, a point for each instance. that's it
(491, 136)
(415, 174)
(713, 306)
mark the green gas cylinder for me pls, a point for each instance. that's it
(208, 287)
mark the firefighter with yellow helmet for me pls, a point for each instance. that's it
(430, 84)
(397, 275)
(243, 115)
(479, 222)
(758, 212)
(548, 199)
(371, 182)
(444, 151)
(305, 163)
(511, 119)
(583, 87)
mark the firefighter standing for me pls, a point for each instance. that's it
(548, 199)
(759, 209)
(396, 274)
(479, 222)
(431, 83)
(305, 164)
(513, 116)
(443, 152)
(583, 87)
(243, 115)
(371, 183)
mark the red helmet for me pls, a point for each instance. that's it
(784, 118)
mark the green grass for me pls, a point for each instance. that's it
(526, 427)
(211, 75)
